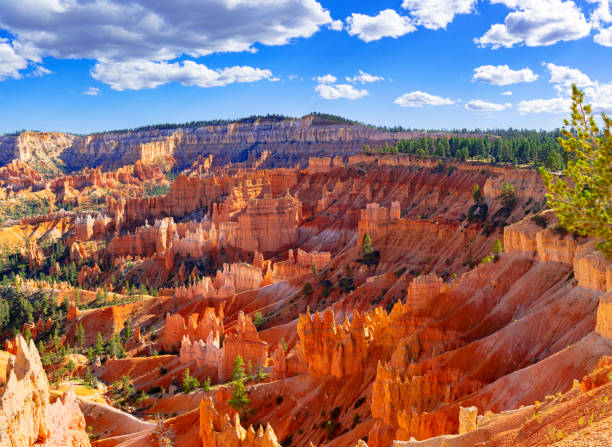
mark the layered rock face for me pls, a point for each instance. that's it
(218, 430)
(267, 225)
(287, 141)
(591, 269)
(34, 146)
(27, 418)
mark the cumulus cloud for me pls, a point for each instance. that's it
(560, 74)
(92, 91)
(598, 94)
(364, 77)
(137, 75)
(507, 93)
(16, 57)
(439, 13)
(337, 91)
(154, 30)
(387, 23)
(503, 75)
(336, 25)
(479, 105)
(419, 99)
(327, 79)
(553, 105)
(536, 23)
(604, 37)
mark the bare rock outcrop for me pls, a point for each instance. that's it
(27, 418)
(219, 430)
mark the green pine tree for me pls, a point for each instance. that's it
(240, 400)
(238, 371)
(79, 336)
(582, 197)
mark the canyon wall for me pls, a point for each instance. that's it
(287, 142)
(591, 268)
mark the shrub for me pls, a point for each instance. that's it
(206, 384)
(476, 195)
(190, 383)
(258, 319)
(497, 248)
(307, 289)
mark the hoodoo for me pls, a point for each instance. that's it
(304, 282)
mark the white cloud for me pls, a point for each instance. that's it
(327, 79)
(39, 70)
(503, 75)
(158, 30)
(435, 14)
(560, 74)
(336, 25)
(337, 91)
(137, 75)
(553, 105)
(364, 78)
(604, 37)
(507, 93)
(16, 57)
(92, 91)
(387, 23)
(418, 99)
(599, 95)
(602, 14)
(479, 105)
(537, 23)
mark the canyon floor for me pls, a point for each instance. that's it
(359, 300)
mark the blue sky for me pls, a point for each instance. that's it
(90, 65)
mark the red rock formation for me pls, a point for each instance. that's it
(342, 350)
(245, 343)
(77, 254)
(422, 290)
(202, 353)
(299, 265)
(604, 316)
(34, 254)
(279, 363)
(266, 225)
(316, 165)
(217, 430)
(591, 269)
(195, 329)
(87, 274)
